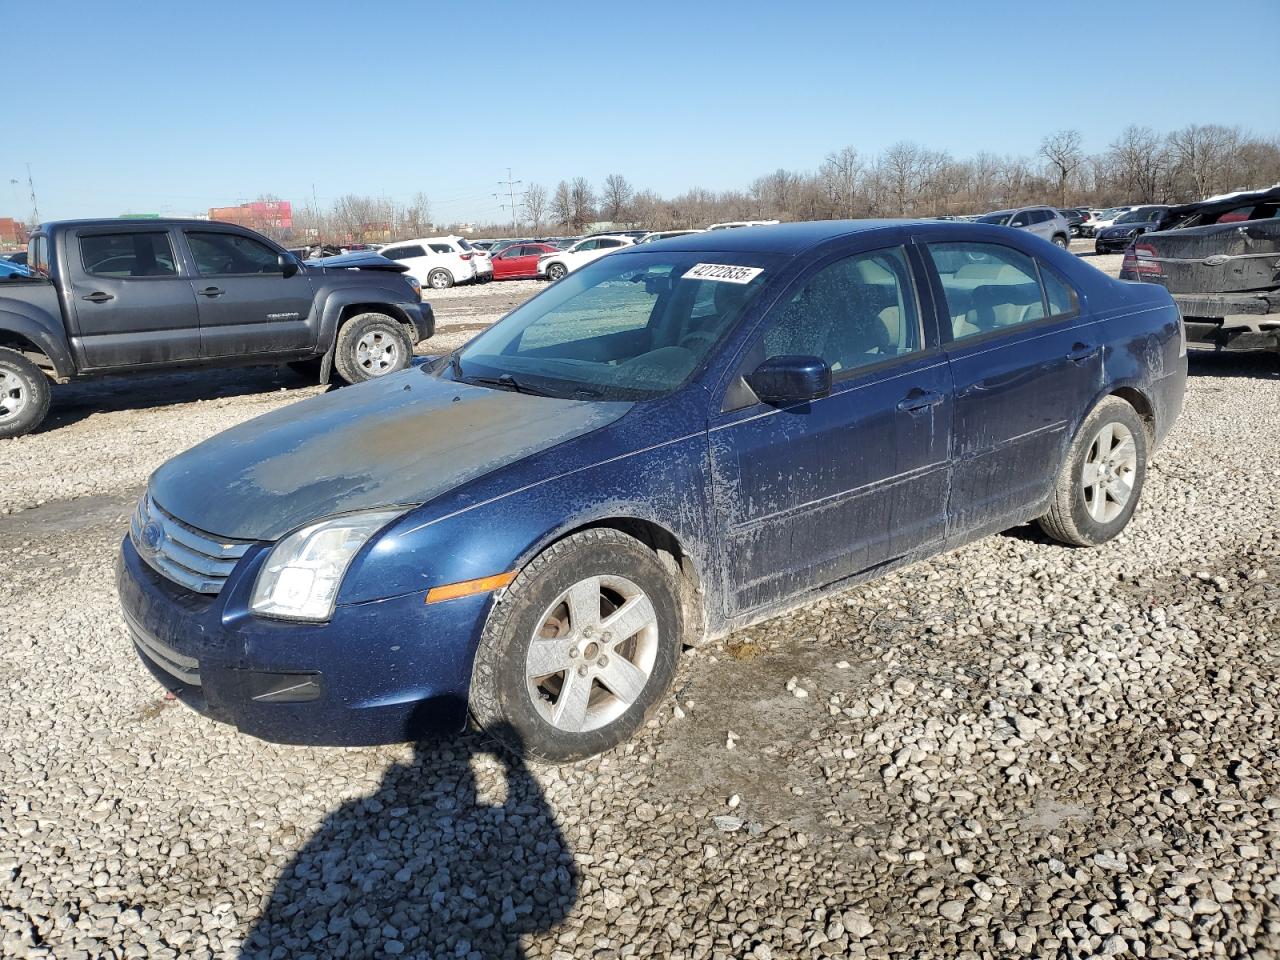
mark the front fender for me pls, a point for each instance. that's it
(389, 301)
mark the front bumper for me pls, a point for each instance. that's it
(386, 671)
(1112, 244)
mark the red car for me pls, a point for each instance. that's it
(519, 260)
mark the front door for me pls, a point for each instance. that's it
(1024, 367)
(133, 304)
(247, 304)
(813, 493)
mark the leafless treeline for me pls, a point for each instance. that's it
(908, 179)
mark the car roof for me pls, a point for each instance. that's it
(784, 238)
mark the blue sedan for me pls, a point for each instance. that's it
(674, 441)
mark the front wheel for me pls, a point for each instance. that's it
(579, 650)
(1099, 484)
(556, 271)
(371, 345)
(24, 394)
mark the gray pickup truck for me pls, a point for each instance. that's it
(121, 296)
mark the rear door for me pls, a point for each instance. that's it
(132, 298)
(813, 493)
(1024, 367)
(247, 304)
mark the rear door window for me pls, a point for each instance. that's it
(127, 255)
(404, 253)
(442, 248)
(988, 287)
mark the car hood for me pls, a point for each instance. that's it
(359, 260)
(400, 440)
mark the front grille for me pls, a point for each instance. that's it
(192, 558)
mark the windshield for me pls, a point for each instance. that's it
(629, 327)
(998, 218)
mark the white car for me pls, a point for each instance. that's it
(553, 266)
(735, 224)
(436, 262)
(665, 235)
(1103, 218)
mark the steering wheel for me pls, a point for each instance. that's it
(696, 336)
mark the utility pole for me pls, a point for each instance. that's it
(35, 207)
(511, 184)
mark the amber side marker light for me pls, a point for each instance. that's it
(465, 588)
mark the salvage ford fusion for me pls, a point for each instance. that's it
(672, 442)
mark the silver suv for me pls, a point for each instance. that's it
(1042, 221)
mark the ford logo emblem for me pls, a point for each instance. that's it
(152, 537)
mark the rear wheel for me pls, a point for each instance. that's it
(24, 394)
(439, 279)
(1061, 241)
(1098, 486)
(580, 649)
(557, 271)
(371, 345)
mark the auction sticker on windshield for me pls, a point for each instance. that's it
(723, 272)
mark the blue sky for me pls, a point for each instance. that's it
(176, 107)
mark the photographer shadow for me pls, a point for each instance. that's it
(433, 864)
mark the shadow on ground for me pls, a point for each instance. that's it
(75, 401)
(434, 864)
(1259, 366)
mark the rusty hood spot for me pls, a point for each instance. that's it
(398, 441)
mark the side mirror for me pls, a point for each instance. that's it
(790, 379)
(288, 265)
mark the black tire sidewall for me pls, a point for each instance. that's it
(1113, 412)
(344, 359)
(499, 687)
(556, 272)
(439, 272)
(37, 384)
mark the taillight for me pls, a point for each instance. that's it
(466, 256)
(1140, 258)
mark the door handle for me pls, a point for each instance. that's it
(99, 297)
(1082, 352)
(212, 292)
(918, 400)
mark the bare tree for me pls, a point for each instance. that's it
(840, 175)
(1064, 153)
(615, 198)
(535, 206)
(582, 203)
(562, 206)
(1139, 161)
(414, 219)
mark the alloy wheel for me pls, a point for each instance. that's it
(592, 654)
(377, 353)
(13, 395)
(1110, 468)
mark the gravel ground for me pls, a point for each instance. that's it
(1012, 750)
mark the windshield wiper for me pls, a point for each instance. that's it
(455, 365)
(506, 381)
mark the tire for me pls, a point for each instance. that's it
(439, 279)
(1087, 515)
(307, 369)
(371, 345)
(556, 271)
(24, 394)
(549, 729)
(1061, 241)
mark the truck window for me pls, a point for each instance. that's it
(230, 254)
(38, 256)
(126, 255)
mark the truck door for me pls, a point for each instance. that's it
(132, 303)
(247, 305)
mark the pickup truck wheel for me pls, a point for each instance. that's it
(581, 648)
(24, 394)
(371, 345)
(439, 279)
(1098, 486)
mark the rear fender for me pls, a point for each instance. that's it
(38, 327)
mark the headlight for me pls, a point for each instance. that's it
(302, 574)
